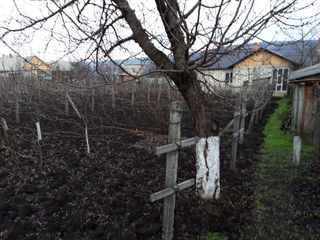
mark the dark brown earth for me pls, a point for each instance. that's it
(106, 195)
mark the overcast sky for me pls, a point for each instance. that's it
(41, 43)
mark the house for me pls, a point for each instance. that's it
(305, 83)
(62, 70)
(259, 61)
(130, 68)
(27, 67)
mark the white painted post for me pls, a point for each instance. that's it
(296, 149)
(39, 134)
(171, 170)
(87, 139)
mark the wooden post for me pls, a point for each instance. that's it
(17, 105)
(252, 119)
(4, 126)
(296, 149)
(113, 96)
(171, 170)
(317, 130)
(133, 93)
(149, 89)
(159, 92)
(242, 121)
(92, 99)
(169, 91)
(66, 103)
(74, 106)
(234, 144)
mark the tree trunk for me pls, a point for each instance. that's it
(205, 124)
(208, 146)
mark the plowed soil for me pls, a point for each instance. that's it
(105, 195)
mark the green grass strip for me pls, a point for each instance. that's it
(274, 214)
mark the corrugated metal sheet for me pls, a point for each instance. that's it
(305, 72)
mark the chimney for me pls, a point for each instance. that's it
(255, 47)
(318, 48)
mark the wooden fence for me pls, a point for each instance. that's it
(175, 143)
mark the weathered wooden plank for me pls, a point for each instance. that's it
(237, 114)
(73, 105)
(175, 146)
(226, 128)
(171, 190)
(171, 170)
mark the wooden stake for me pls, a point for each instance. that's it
(317, 130)
(242, 121)
(73, 106)
(66, 104)
(149, 89)
(252, 118)
(234, 144)
(159, 92)
(133, 93)
(17, 105)
(92, 99)
(113, 96)
(171, 170)
(5, 126)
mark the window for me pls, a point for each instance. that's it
(280, 78)
(228, 78)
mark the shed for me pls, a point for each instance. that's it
(306, 92)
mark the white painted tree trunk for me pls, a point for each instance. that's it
(296, 149)
(208, 167)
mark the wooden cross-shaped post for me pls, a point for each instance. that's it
(171, 170)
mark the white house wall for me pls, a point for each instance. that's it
(214, 78)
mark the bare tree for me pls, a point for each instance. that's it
(179, 37)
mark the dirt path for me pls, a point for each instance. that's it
(286, 199)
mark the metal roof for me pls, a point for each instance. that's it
(305, 72)
(302, 53)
